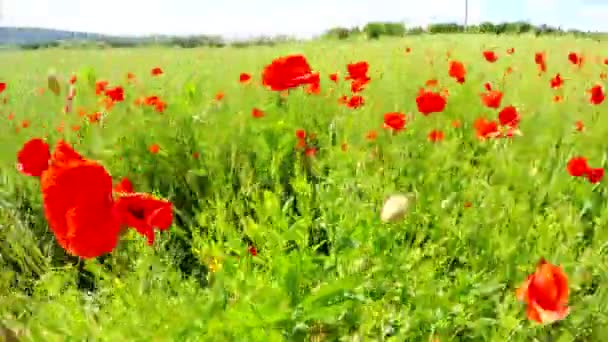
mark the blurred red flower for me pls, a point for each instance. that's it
(490, 56)
(557, 81)
(244, 77)
(597, 95)
(436, 135)
(257, 113)
(508, 116)
(287, 72)
(430, 102)
(157, 71)
(577, 166)
(33, 158)
(394, 121)
(546, 294)
(457, 71)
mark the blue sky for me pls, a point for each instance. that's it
(304, 18)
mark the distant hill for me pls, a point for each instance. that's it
(33, 36)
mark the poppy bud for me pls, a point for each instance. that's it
(53, 84)
(396, 207)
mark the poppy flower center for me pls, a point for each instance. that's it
(138, 213)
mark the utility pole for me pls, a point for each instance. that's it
(466, 14)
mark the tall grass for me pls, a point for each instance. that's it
(327, 269)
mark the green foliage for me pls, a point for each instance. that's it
(374, 30)
(377, 29)
(339, 33)
(327, 269)
(445, 28)
(414, 31)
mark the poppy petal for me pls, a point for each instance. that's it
(33, 158)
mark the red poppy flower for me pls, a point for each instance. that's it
(457, 71)
(577, 166)
(314, 84)
(300, 134)
(408, 49)
(579, 126)
(353, 102)
(33, 158)
(597, 95)
(100, 87)
(157, 71)
(130, 76)
(371, 135)
(73, 79)
(394, 121)
(124, 186)
(575, 58)
(153, 101)
(558, 98)
(334, 77)
(490, 56)
(431, 83)
(595, 175)
(557, 81)
(148, 101)
(257, 113)
(80, 209)
(492, 98)
(25, 124)
(143, 212)
(508, 116)
(357, 71)
(287, 72)
(252, 250)
(358, 85)
(2, 87)
(540, 58)
(154, 148)
(219, 96)
(116, 94)
(436, 135)
(160, 106)
(606, 61)
(310, 152)
(486, 129)
(510, 51)
(244, 77)
(546, 294)
(430, 102)
(77, 196)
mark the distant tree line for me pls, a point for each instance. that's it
(376, 30)
(373, 30)
(180, 42)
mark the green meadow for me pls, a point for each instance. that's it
(327, 268)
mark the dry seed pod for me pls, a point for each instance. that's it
(53, 84)
(396, 207)
(8, 335)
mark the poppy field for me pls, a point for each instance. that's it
(432, 188)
